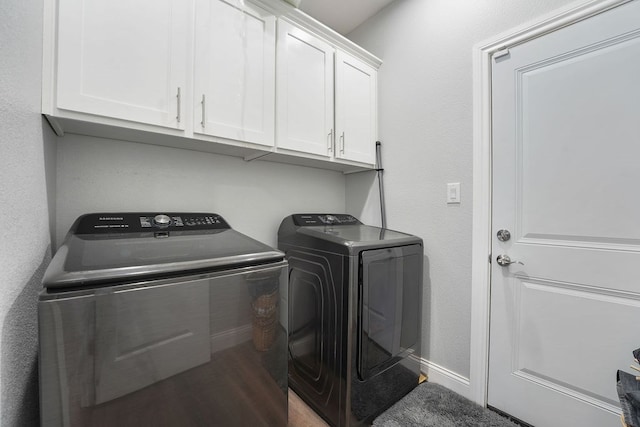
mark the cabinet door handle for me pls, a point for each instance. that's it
(203, 112)
(330, 140)
(342, 140)
(178, 101)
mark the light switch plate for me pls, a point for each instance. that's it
(453, 192)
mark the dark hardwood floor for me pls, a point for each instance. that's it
(236, 388)
(300, 415)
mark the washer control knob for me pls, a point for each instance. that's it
(162, 220)
(329, 219)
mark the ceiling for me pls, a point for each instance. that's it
(342, 15)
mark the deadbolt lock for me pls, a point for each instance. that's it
(503, 235)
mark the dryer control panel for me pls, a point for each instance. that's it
(324, 219)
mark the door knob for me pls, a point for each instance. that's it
(505, 261)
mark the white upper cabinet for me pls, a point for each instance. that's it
(234, 85)
(304, 92)
(306, 122)
(210, 75)
(123, 59)
(356, 109)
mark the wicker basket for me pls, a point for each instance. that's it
(265, 320)
(265, 305)
(264, 332)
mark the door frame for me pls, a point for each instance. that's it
(482, 172)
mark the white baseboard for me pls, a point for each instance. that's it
(446, 378)
(230, 338)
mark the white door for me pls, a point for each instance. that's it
(304, 83)
(356, 109)
(566, 169)
(234, 71)
(123, 59)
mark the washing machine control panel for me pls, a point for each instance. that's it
(324, 219)
(148, 222)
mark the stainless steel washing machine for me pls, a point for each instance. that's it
(163, 320)
(355, 295)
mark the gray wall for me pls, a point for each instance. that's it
(26, 148)
(425, 113)
(425, 123)
(96, 174)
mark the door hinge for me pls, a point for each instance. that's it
(501, 53)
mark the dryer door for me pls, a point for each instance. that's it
(389, 294)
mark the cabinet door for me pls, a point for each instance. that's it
(234, 71)
(123, 59)
(356, 109)
(305, 91)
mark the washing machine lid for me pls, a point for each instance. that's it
(116, 248)
(359, 235)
